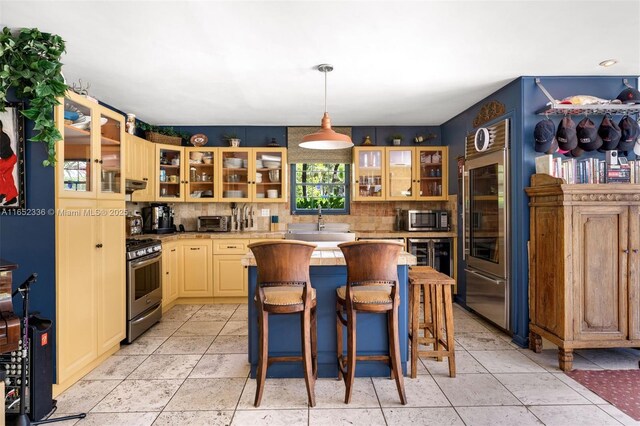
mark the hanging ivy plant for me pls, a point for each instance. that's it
(31, 65)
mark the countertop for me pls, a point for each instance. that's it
(214, 235)
(331, 257)
(404, 234)
(280, 235)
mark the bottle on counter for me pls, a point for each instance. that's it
(397, 224)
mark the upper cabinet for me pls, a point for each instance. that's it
(417, 173)
(201, 175)
(90, 160)
(369, 174)
(140, 155)
(253, 174)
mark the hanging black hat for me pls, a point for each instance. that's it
(544, 135)
(629, 133)
(566, 134)
(610, 134)
(587, 133)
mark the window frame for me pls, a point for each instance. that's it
(347, 192)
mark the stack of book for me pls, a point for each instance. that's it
(589, 170)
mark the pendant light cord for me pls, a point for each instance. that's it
(325, 91)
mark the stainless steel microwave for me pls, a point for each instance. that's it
(214, 223)
(426, 220)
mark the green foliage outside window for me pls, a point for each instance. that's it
(321, 185)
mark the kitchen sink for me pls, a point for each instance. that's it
(337, 232)
(315, 236)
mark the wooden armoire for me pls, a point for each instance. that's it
(584, 284)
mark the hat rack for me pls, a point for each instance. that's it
(556, 108)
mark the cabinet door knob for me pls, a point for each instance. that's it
(625, 251)
(99, 245)
(635, 250)
(96, 161)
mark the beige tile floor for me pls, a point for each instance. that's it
(191, 369)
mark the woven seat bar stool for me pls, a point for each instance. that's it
(437, 328)
(284, 287)
(372, 287)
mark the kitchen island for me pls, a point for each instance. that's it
(328, 272)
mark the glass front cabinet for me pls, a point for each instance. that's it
(253, 174)
(200, 175)
(417, 173)
(90, 156)
(369, 174)
(170, 184)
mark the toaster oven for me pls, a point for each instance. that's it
(426, 220)
(214, 223)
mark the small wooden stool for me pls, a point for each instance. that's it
(437, 297)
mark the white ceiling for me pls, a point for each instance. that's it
(396, 63)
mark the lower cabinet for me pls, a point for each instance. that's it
(171, 272)
(90, 283)
(204, 268)
(196, 269)
(229, 276)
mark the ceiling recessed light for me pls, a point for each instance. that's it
(608, 63)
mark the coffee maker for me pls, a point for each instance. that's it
(157, 219)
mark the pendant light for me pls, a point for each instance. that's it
(326, 138)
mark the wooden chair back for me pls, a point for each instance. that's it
(371, 262)
(282, 262)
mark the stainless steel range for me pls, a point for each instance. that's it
(144, 285)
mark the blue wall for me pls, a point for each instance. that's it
(522, 98)
(454, 133)
(30, 240)
(255, 136)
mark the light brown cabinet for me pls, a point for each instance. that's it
(584, 264)
(417, 173)
(196, 269)
(229, 276)
(90, 284)
(140, 166)
(171, 272)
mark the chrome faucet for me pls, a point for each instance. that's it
(320, 220)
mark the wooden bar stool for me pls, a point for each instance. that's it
(438, 331)
(372, 278)
(284, 287)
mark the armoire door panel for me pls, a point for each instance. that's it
(600, 239)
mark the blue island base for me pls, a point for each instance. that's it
(285, 333)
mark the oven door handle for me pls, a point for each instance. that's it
(144, 262)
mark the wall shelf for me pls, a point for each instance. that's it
(556, 108)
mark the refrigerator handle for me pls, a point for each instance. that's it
(464, 213)
(484, 277)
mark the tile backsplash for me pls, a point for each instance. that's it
(378, 216)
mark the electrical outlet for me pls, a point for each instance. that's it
(264, 212)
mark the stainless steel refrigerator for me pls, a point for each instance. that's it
(486, 224)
